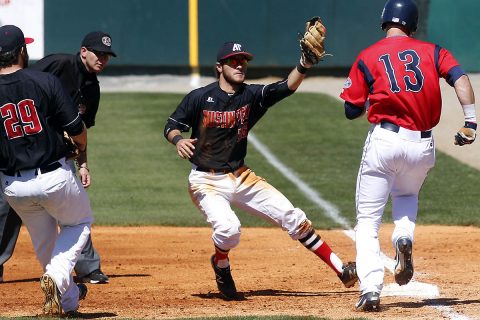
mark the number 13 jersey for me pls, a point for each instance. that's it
(399, 76)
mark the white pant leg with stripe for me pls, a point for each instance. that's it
(393, 164)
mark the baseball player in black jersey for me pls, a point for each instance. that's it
(78, 74)
(36, 180)
(220, 116)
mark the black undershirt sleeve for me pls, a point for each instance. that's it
(352, 111)
(275, 92)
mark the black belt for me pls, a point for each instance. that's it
(393, 127)
(224, 171)
(43, 169)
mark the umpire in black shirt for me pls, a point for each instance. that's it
(78, 74)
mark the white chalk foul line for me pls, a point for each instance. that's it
(412, 289)
(330, 209)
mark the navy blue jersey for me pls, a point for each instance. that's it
(34, 112)
(221, 122)
(80, 84)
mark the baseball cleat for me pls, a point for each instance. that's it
(52, 305)
(403, 261)
(82, 291)
(369, 301)
(224, 280)
(94, 277)
(1, 273)
(349, 274)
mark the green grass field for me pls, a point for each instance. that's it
(139, 180)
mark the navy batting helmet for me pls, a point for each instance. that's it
(402, 12)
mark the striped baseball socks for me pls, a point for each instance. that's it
(313, 243)
(221, 258)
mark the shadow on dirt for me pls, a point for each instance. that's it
(272, 293)
(429, 303)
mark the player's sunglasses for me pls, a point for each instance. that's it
(236, 61)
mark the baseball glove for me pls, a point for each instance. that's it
(311, 44)
(72, 149)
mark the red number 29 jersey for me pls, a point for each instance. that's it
(399, 76)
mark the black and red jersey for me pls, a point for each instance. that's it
(221, 121)
(34, 112)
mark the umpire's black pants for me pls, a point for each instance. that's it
(10, 224)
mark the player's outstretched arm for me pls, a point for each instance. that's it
(184, 147)
(466, 97)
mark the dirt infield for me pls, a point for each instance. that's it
(161, 272)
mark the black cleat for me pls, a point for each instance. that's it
(404, 263)
(369, 301)
(224, 280)
(349, 274)
(82, 291)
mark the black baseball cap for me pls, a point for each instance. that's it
(229, 49)
(11, 37)
(98, 41)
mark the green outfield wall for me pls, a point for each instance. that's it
(153, 34)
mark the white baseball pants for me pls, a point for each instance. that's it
(393, 164)
(43, 201)
(213, 193)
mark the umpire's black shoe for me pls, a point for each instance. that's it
(369, 301)
(94, 277)
(403, 261)
(349, 274)
(224, 280)
(1, 273)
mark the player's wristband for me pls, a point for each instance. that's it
(177, 138)
(469, 113)
(470, 125)
(301, 69)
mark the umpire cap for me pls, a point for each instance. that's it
(11, 37)
(98, 41)
(229, 49)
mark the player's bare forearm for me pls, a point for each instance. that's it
(464, 90)
(83, 170)
(295, 78)
(184, 147)
(81, 140)
(81, 161)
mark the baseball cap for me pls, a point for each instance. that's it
(11, 37)
(99, 41)
(229, 49)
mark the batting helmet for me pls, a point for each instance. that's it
(402, 12)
